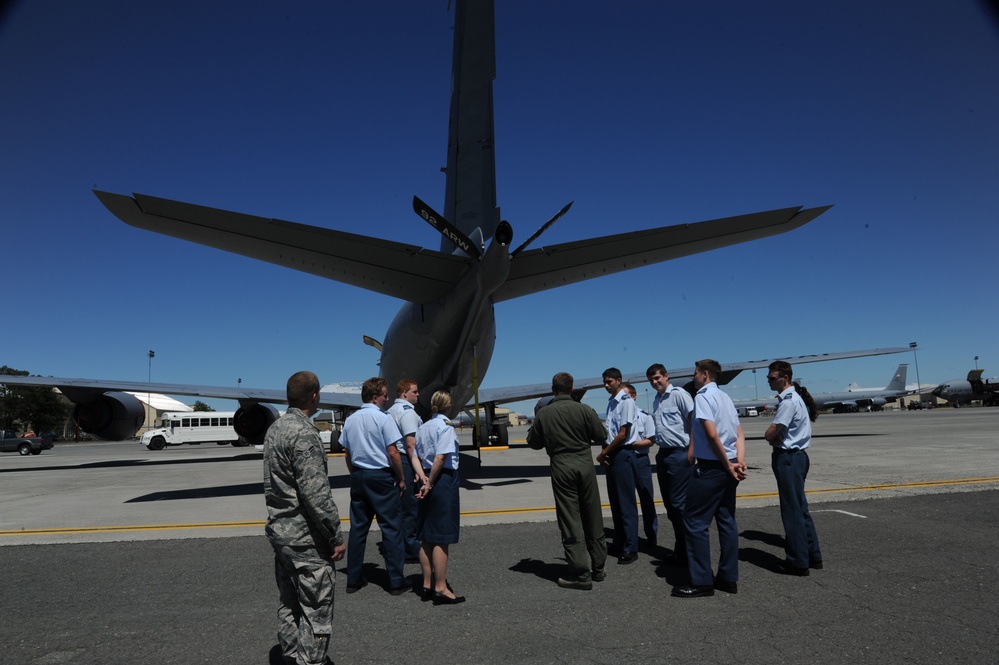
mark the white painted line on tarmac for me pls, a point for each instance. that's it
(833, 510)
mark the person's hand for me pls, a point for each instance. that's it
(424, 490)
(402, 487)
(338, 552)
(602, 459)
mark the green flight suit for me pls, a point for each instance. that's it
(566, 429)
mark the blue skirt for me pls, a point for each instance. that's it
(440, 511)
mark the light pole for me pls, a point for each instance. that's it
(912, 345)
(238, 381)
(149, 397)
(976, 362)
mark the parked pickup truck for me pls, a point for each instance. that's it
(32, 445)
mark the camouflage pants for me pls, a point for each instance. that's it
(305, 581)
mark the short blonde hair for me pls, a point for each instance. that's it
(441, 401)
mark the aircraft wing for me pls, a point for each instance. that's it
(568, 263)
(82, 390)
(676, 376)
(391, 268)
(760, 403)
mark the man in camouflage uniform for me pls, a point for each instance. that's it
(303, 525)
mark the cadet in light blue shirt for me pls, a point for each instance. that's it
(791, 435)
(403, 410)
(440, 509)
(719, 448)
(621, 460)
(671, 412)
(376, 483)
(643, 484)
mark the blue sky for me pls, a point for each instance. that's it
(645, 114)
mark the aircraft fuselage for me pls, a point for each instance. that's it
(447, 344)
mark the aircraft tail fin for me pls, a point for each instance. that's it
(898, 381)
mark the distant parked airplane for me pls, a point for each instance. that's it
(963, 391)
(851, 400)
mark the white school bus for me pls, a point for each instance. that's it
(195, 427)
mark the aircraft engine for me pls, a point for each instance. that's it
(252, 421)
(112, 416)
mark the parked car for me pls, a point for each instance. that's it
(25, 445)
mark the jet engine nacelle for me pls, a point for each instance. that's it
(112, 416)
(252, 421)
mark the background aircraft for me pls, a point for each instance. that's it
(872, 399)
(443, 337)
(963, 391)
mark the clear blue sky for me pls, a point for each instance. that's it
(645, 114)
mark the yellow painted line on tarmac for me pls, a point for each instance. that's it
(468, 513)
(130, 527)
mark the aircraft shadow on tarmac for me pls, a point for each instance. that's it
(505, 475)
(111, 464)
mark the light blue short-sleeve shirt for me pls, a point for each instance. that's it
(367, 433)
(710, 403)
(437, 437)
(671, 412)
(648, 426)
(793, 414)
(406, 418)
(622, 410)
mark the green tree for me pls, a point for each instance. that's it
(34, 408)
(201, 406)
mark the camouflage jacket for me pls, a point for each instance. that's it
(300, 507)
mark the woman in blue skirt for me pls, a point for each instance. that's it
(437, 523)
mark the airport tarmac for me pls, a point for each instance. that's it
(112, 553)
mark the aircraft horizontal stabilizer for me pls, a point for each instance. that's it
(567, 263)
(390, 268)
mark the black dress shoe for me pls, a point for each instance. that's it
(425, 593)
(441, 599)
(354, 588)
(399, 590)
(692, 591)
(787, 569)
(628, 557)
(727, 587)
(815, 565)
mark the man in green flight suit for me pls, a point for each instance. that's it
(566, 429)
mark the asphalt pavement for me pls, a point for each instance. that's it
(114, 555)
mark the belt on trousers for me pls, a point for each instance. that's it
(443, 470)
(712, 463)
(632, 449)
(778, 451)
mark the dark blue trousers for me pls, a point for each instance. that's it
(646, 494)
(410, 507)
(801, 543)
(711, 495)
(375, 492)
(673, 471)
(622, 482)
